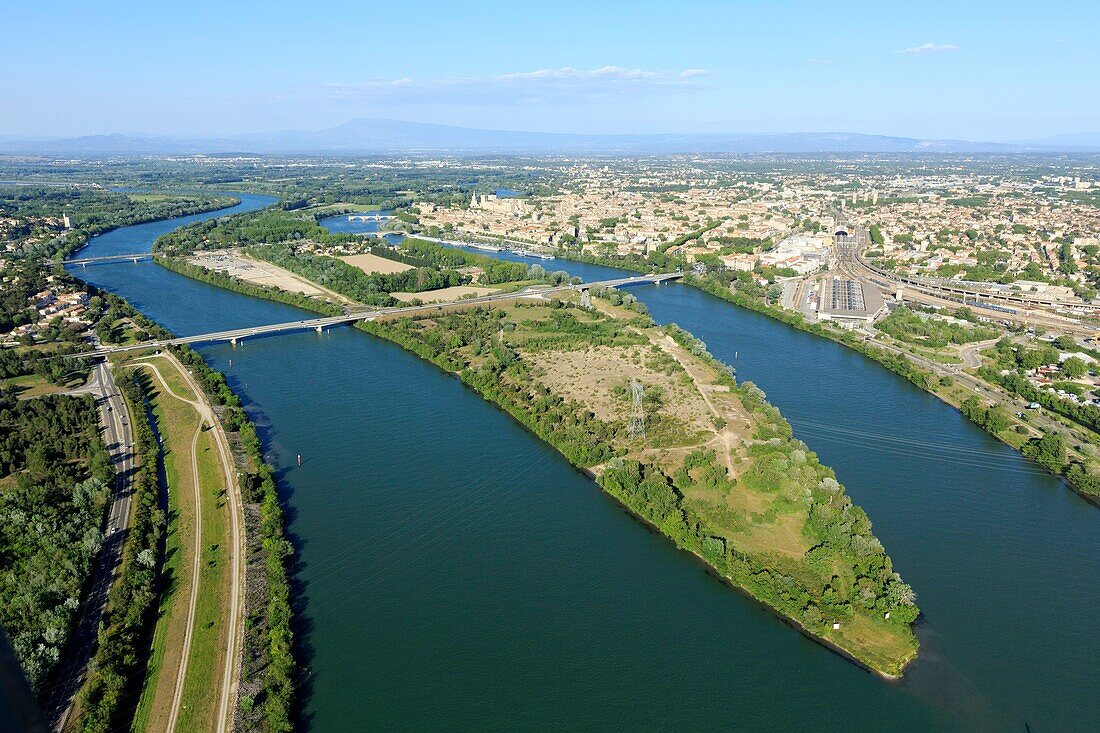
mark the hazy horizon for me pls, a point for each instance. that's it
(979, 72)
(1087, 137)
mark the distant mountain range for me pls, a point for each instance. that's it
(393, 136)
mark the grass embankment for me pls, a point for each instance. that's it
(266, 685)
(266, 688)
(717, 471)
(33, 385)
(196, 487)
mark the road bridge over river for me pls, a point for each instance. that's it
(107, 259)
(320, 324)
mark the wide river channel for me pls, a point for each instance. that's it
(456, 573)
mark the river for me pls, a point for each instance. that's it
(459, 574)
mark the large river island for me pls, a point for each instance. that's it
(458, 573)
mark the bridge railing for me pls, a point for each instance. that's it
(321, 322)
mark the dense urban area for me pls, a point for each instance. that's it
(147, 578)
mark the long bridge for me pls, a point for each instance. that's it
(84, 261)
(320, 324)
(369, 217)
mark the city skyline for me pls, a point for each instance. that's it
(985, 72)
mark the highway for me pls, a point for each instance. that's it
(1038, 421)
(118, 436)
(319, 324)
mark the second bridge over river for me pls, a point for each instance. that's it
(321, 323)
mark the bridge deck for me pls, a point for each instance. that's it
(329, 321)
(108, 258)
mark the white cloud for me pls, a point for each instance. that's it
(929, 48)
(525, 87)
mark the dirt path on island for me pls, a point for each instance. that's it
(236, 608)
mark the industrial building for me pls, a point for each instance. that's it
(849, 302)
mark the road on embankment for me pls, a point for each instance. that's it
(1038, 421)
(118, 436)
(177, 696)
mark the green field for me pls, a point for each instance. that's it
(178, 421)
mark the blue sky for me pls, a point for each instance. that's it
(973, 70)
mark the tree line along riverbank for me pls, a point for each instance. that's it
(717, 470)
(855, 638)
(276, 227)
(1053, 457)
(1050, 454)
(265, 699)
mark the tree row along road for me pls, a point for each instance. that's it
(118, 436)
(231, 616)
(1038, 422)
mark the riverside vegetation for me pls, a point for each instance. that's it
(266, 696)
(1081, 475)
(870, 606)
(55, 472)
(266, 690)
(118, 669)
(717, 470)
(294, 241)
(753, 502)
(741, 289)
(40, 232)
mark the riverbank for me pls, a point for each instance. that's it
(1086, 485)
(1070, 472)
(196, 622)
(265, 683)
(235, 284)
(716, 470)
(79, 238)
(489, 559)
(262, 684)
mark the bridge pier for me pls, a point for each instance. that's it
(233, 340)
(320, 329)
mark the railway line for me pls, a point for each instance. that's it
(1014, 308)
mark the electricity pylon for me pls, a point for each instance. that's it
(636, 427)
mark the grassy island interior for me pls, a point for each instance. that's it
(710, 463)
